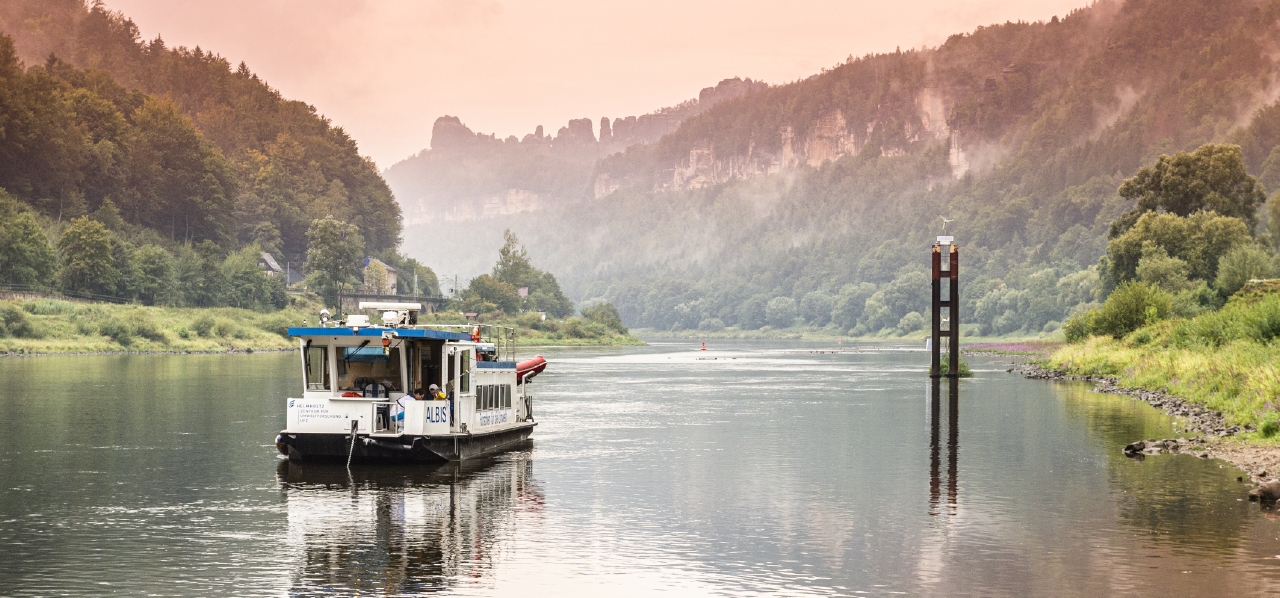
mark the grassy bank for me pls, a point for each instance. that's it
(1227, 360)
(57, 326)
(45, 326)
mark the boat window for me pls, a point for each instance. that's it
(492, 396)
(317, 367)
(480, 399)
(369, 365)
(465, 366)
(506, 396)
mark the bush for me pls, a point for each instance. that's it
(276, 324)
(117, 330)
(1131, 306)
(141, 324)
(1257, 321)
(16, 323)
(203, 325)
(1244, 262)
(228, 329)
(945, 367)
(1077, 327)
(910, 323)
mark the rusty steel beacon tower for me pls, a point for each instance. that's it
(946, 266)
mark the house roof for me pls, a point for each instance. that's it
(370, 260)
(271, 262)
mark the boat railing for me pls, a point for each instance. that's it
(502, 337)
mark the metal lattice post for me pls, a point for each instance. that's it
(935, 342)
(953, 311)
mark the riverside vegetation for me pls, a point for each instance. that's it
(42, 326)
(1194, 314)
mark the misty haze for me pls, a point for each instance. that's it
(702, 298)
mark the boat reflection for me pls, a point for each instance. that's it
(400, 530)
(935, 445)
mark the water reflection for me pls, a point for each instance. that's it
(953, 444)
(398, 530)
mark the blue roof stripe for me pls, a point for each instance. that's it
(305, 331)
(496, 365)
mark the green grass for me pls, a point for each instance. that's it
(1228, 361)
(41, 326)
(58, 326)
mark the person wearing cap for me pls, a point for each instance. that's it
(434, 394)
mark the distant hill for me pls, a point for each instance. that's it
(259, 167)
(467, 175)
(1020, 132)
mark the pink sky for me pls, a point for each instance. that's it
(385, 69)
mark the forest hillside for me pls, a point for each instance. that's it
(179, 140)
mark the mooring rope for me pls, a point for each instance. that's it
(352, 449)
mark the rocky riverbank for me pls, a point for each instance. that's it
(1210, 436)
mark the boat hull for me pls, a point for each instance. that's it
(301, 447)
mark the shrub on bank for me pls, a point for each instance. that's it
(1131, 306)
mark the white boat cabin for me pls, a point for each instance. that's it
(355, 375)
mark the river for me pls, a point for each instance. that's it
(751, 469)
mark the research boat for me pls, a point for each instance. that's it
(357, 400)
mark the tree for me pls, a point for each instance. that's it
(87, 264)
(25, 254)
(200, 280)
(246, 284)
(1198, 240)
(334, 247)
(486, 290)
(1243, 263)
(375, 279)
(781, 312)
(1158, 269)
(514, 268)
(607, 315)
(850, 303)
(181, 182)
(815, 308)
(752, 313)
(1212, 178)
(154, 282)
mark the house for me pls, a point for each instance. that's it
(379, 278)
(269, 265)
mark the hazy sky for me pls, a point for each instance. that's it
(385, 69)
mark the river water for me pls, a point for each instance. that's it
(750, 469)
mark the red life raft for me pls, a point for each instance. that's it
(529, 368)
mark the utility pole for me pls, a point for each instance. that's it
(946, 265)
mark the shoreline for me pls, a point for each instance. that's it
(1214, 437)
(233, 351)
